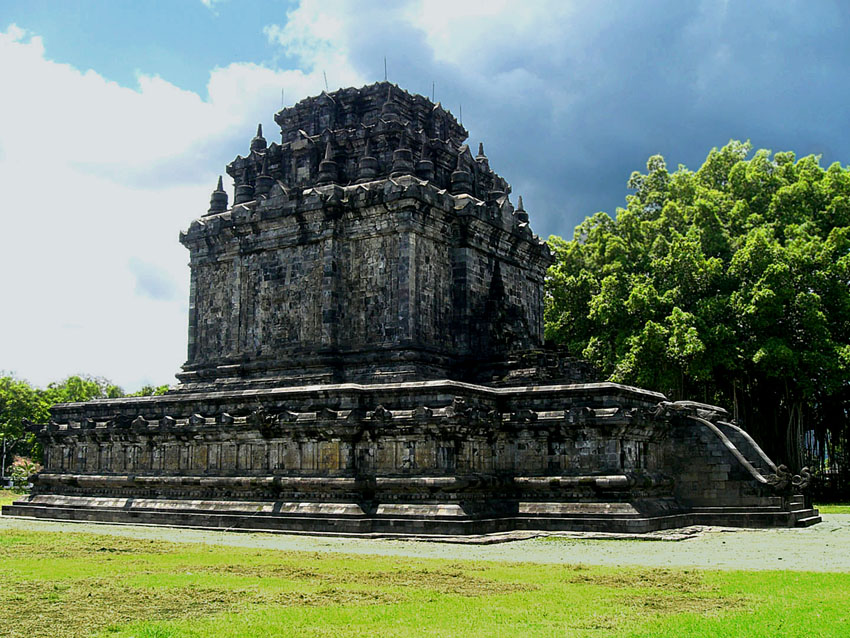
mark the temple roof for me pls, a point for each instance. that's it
(358, 135)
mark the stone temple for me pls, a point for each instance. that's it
(366, 356)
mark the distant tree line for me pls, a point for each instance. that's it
(729, 285)
(20, 400)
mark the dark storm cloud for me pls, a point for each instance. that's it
(566, 119)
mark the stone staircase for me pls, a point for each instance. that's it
(758, 492)
(774, 511)
(802, 515)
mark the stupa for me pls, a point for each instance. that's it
(366, 356)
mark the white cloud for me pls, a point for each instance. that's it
(316, 34)
(98, 180)
(466, 33)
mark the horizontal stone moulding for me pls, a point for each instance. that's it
(230, 483)
(462, 482)
(393, 396)
(568, 509)
(425, 510)
(601, 482)
(270, 508)
(497, 484)
(348, 423)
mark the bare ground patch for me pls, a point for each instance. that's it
(685, 581)
(663, 591)
(77, 546)
(450, 580)
(77, 608)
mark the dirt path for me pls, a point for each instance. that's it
(823, 547)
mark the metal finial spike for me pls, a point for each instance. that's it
(220, 186)
(259, 130)
(481, 149)
(519, 204)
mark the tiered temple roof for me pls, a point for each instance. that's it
(354, 136)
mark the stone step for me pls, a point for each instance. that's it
(370, 525)
(769, 509)
(349, 526)
(807, 521)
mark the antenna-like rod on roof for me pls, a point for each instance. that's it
(461, 114)
(325, 75)
(282, 96)
(385, 68)
(432, 90)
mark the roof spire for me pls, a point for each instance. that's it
(367, 167)
(519, 213)
(461, 178)
(389, 111)
(481, 158)
(263, 183)
(328, 169)
(218, 199)
(259, 142)
(425, 167)
(244, 189)
(402, 160)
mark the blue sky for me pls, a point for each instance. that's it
(117, 117)
(181, 40)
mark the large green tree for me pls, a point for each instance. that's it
(730, 284)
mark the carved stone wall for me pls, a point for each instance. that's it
(362, 281)
(444, 457)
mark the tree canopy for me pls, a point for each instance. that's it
(730, 284)
(19, 400)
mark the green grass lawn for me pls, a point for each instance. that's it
(834, 508)
(76, 584)
(7, 496)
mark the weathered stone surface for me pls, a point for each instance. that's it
(330, 278)
(366, 356)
